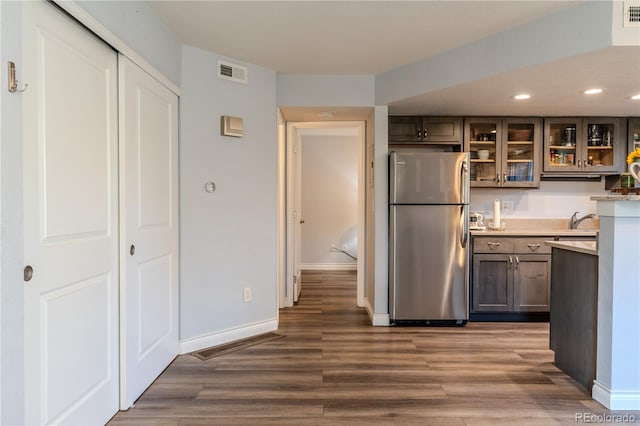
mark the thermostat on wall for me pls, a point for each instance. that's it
(231, 126)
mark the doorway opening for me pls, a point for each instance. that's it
(330, 237)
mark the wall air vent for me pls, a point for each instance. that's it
(631, 13)
(232, 72)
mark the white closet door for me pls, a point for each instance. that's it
(70, 148)
(149, 229)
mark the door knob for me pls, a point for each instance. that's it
(28, 272)
(132, 250)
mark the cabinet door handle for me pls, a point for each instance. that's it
(534, 247)
(579, 163)
(498, 177)
(517, 262)
(510, 260)
(419, 133)
(504, 178)
(425, 133)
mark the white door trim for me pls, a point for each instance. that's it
(294, 129)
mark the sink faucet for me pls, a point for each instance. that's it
(574, 221)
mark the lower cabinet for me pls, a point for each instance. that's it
(510, 275)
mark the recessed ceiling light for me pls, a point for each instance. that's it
(522, 96)
(636, 97)
(592, 91)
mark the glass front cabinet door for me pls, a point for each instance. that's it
(584, 145)
(521, 152)
(634, 134)
(481, 139)
(504, 151)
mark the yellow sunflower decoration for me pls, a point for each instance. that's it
(633, 156)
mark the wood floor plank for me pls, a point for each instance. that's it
(333, 368)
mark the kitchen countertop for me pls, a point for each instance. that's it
(615, 197)
(586, 247)
(537, 232)
(519, 227)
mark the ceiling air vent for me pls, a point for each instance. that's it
(232, 72)
(632, 13)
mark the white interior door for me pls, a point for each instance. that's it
(294, 215)
(149, 229)
(299, 224)
(70, 148)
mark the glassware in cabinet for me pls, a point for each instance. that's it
(520, 151)
(504, 151)
(583, 145)
(481, 136)
(522, 138)
(561, 136)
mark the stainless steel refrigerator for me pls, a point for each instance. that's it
(429, 233)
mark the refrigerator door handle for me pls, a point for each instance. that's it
(464, 223)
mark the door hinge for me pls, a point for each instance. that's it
(295, 279)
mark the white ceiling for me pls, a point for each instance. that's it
(341, 37)
(370, 37)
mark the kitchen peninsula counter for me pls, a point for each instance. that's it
(586, 247)
(573, 316)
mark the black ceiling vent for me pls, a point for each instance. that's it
(232, 72)
(632, 13)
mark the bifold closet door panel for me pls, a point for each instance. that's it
(70, 204)
(149, 229)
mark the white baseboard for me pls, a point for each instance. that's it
(615, 400)
(329, 266)
(225, 336)
(377, 320)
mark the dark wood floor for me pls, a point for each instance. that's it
(333, 367)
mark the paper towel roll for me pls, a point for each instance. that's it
(496, 214)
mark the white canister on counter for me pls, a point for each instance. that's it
(496, 214)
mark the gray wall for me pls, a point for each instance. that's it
(136, 24)
(329, 198)
(381, 217)
(370, 219)
(325, 90)
(228, 237)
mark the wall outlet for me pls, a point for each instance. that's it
(246, 296)
(507, 206)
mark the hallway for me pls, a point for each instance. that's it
(332, 367)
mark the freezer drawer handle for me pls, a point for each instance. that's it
(464, 182)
